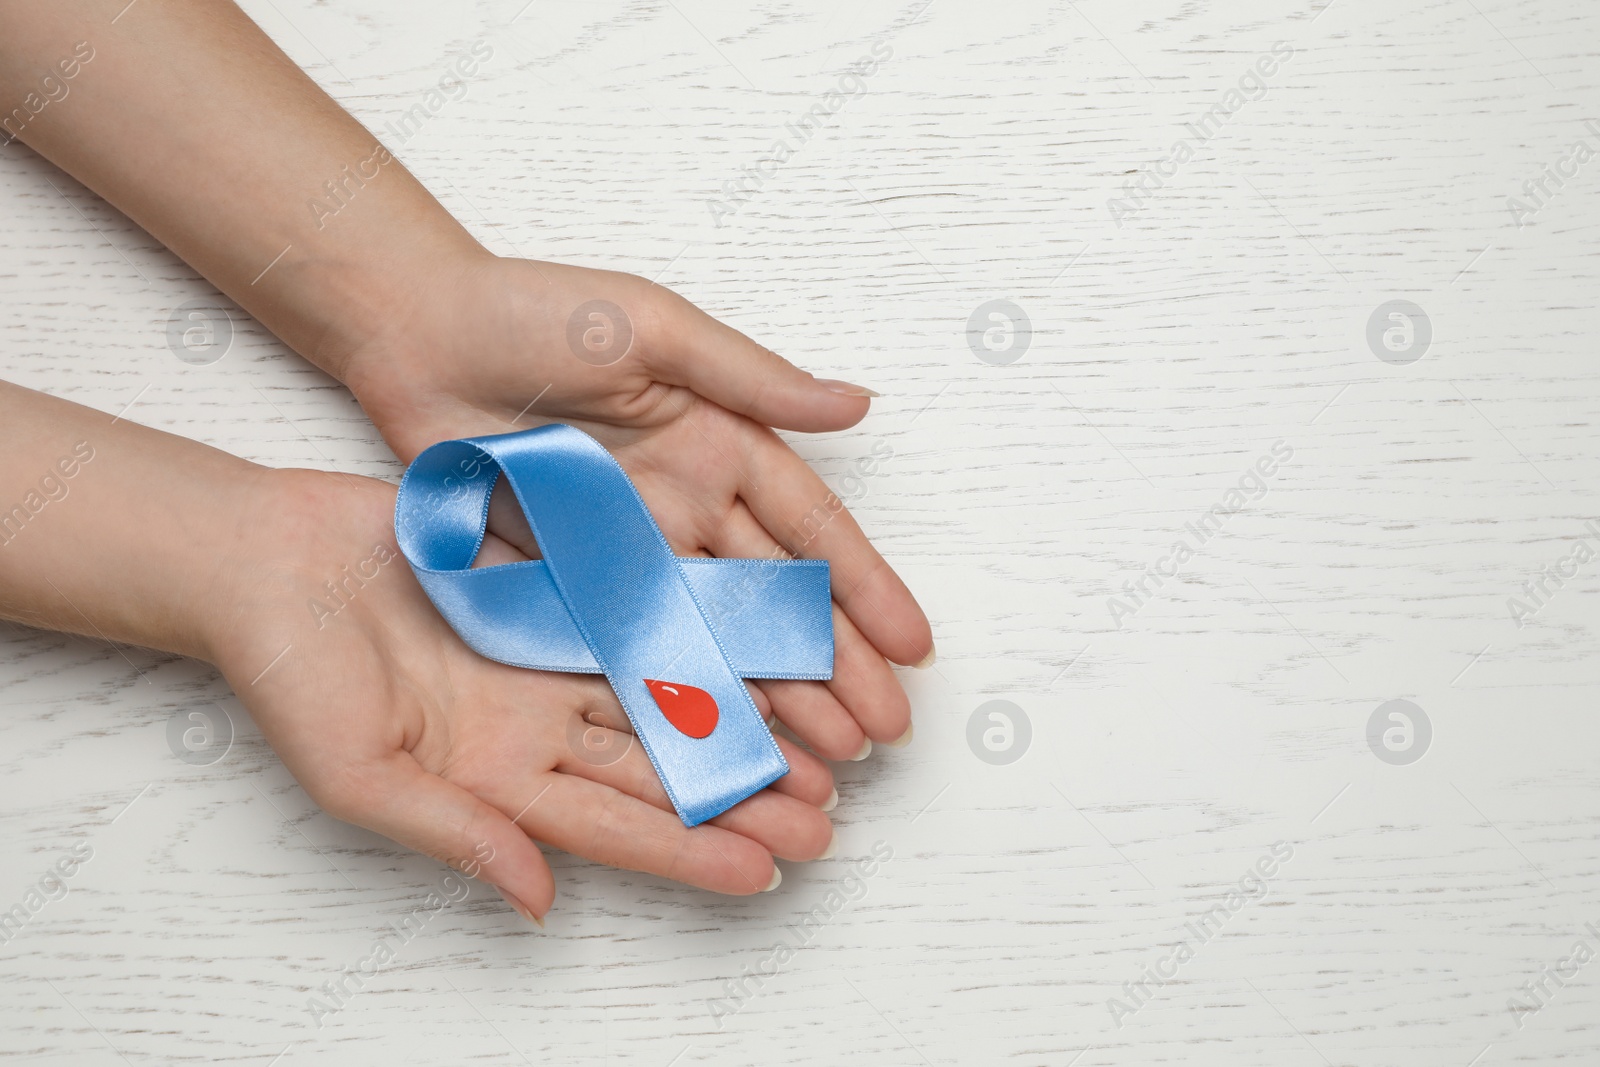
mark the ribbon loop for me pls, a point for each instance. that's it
(674, 636)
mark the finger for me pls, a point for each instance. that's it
(509, 524)
(866, 685)
(728, 368)
(817, 718)
(599, 823)
(810, 521)
(400, 800)
(757, 697)
(785, 825)
(604, 734)
(862, 680)
(604, 749)
(613, 757)
(809, 778)
(606, 712)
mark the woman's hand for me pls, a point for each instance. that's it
(290, 582)
(316, 230)
(491, 345)
(390, 722)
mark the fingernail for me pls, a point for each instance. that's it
(926, 661)
(833, 385)
(866, 750)
(832, 849)
(777, 876)
(520, 908)
(904, 739)
(832, 801)
(772, 720)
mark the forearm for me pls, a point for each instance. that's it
(115, 530)
(190, 120)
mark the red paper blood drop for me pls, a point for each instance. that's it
(693, 711)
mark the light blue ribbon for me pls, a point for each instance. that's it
(610, 597)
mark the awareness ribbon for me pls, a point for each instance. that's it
(673, 635)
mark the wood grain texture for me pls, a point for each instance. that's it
(1168, 353)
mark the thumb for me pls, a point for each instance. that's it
(440, 819)
(728, 368)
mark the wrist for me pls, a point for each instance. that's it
(342, 294)
(405, 363)
(308, 545)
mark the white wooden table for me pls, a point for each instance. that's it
(1177, 337)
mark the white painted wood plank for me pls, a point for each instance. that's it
(1168, 354)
